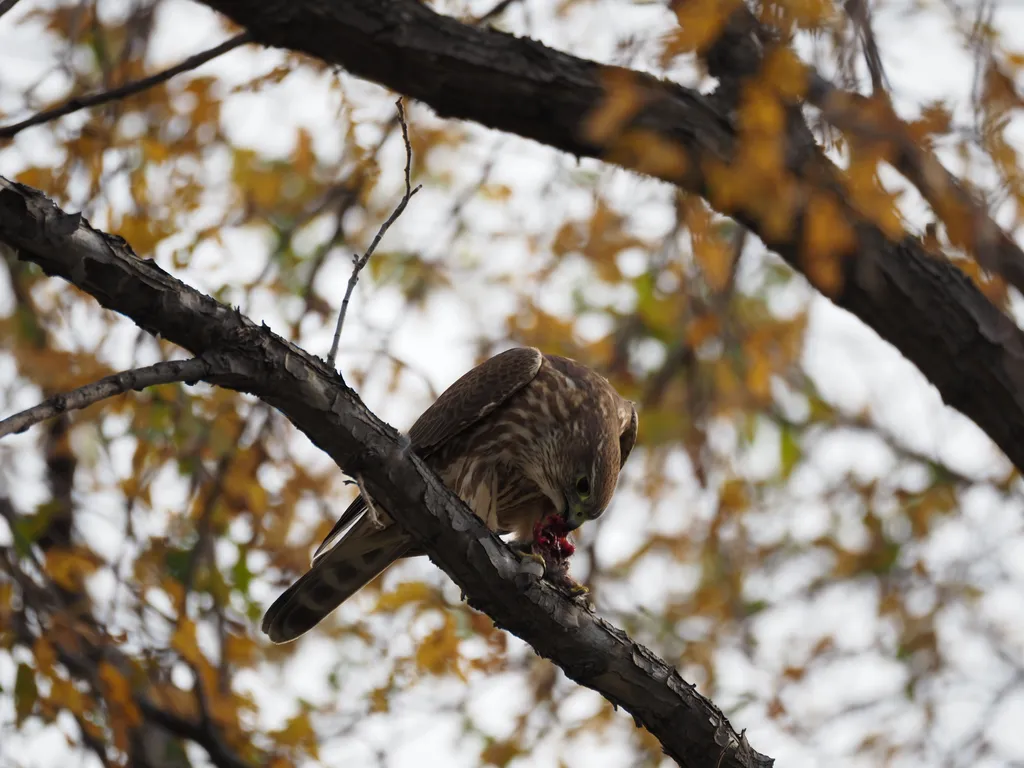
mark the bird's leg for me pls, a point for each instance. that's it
(371, 509)
(525, 550)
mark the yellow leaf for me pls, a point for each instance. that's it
(184, 641)
(298, 733)
(649, 153)
(622, 100)
(439, 651)
(568, 240)
(787, 74)
(404, 594)
(500, 753)
(70, 567)
(303, 158)
(118, 692)
(827, 238)
(734, 497)
(45, 654)
(700, 23)
(240, 650)
(379, 700)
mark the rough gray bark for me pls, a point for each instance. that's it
(247, 358)
(925, 307)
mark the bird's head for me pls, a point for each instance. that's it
(580, 481)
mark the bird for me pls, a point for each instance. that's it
(532, 443)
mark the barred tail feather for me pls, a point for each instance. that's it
(328, 584)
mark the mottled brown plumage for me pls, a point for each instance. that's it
(520, 438)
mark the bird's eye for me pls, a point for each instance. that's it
(583, 487)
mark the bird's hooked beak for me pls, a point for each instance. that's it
(573, 514)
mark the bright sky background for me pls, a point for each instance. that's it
(851, 366)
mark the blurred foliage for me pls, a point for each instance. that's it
(765, 539)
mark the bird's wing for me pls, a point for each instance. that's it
(627, 438)
(471, 398)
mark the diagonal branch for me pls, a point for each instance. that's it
(188, 371)
(692, 730)
(128, 89)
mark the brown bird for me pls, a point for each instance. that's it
(532, 443)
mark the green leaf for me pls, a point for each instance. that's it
(25, 692)
(240, 573)
(790, 452)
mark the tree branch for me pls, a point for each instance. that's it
(969, 225)
(93, 646)
(358, 262)
(693, 731)
(128, 89)
(138, 379)
(926, 308)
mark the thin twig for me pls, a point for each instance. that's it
(358, 262)
(162, 373)
(6, 5)
(497, 10)
(860, 15)
(128, 89)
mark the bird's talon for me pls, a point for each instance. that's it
(535, 557)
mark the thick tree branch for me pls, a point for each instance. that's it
(138, 379)
(925, 307)
(693, 731)
(6, 5)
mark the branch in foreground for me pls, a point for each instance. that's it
(128, 89)
(927, 308)
(92, 646)
(692, 730)
(138, 379)
(358, 262)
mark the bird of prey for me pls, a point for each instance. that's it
(532, 443)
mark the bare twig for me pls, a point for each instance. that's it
(6, 5)
(138, 379)
(358, 262)
(495, 11)
(128, 89)
(860, 15)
